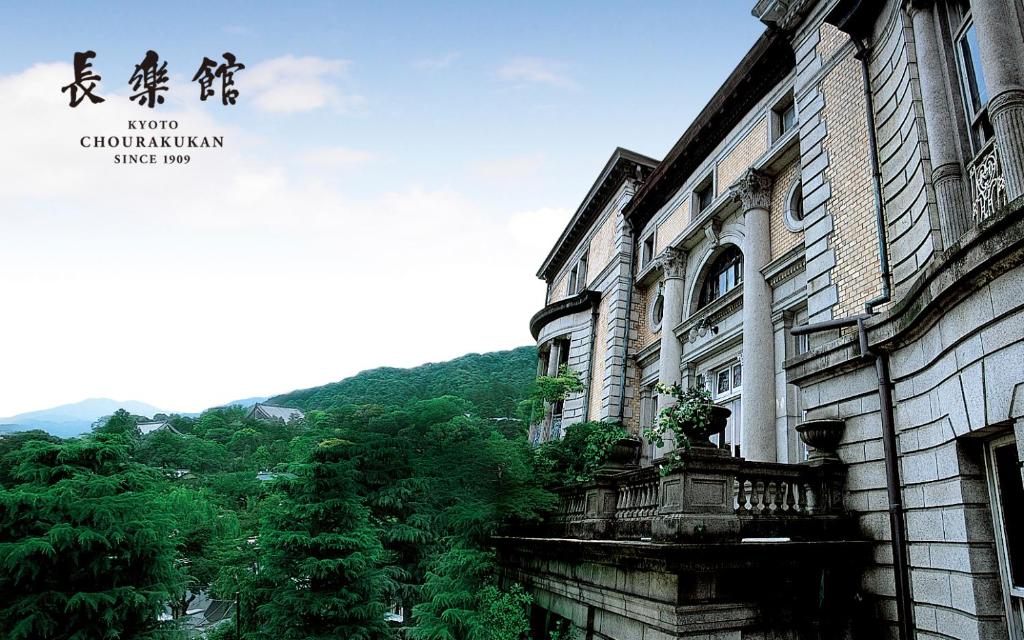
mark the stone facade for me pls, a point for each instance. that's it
(738, 267)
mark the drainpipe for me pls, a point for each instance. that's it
(594, 319)
(893, 483)
(862, 54)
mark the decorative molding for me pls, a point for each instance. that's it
(789, 272)
(713, 231)
(673, 262)
(753, 190)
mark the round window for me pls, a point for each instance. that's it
(657, 312)
(795, 207)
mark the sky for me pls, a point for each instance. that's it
(393, 174)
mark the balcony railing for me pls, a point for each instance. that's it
(988, 186)
(711, 496)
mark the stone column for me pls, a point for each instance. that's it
(758, 416)
(554, 355)
(947, 175)
(673, 264)
(1002, 60)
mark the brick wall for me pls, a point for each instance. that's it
(739, 159)
(602, 248)
(643, 299)
(852, 205)
(782, 238)
(597, 370)
(672, 226)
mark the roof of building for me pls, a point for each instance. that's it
(147, 428)
(760, 70)
(274, 412)
(622, 164)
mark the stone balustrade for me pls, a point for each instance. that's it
(713, 496)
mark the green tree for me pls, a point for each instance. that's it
(203, 535)
(321, 574)
(85, 551)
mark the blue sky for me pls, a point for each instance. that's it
(375, 150)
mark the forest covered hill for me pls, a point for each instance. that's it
(494, 382)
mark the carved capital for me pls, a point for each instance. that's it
(753, 190)
(915, 6)
(673, 262)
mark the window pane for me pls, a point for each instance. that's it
(788, 117)
(1011, 499)
(723, 381)
(974, 80)
(737, 376)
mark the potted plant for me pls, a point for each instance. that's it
(691, 421)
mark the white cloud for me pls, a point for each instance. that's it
(437, 63)
(338, 157)
(236, 275)
(537, 71)
(291, 85)
(510, 170)
(538, 228)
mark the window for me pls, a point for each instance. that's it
(657, 312)
(972, 84)
(725, 272)
(801, 344)
(703, 195)
(577, 277)
(794, 217)
(783, 117)
(1007, 499)
(727, 381)
(647, 253)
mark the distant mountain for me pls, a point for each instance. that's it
(68, 420)
(245, 402)
(494, 382)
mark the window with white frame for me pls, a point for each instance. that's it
(657, 311)
(794, 214)
(703, 194)
(647, 251)
(971, 75)
(801, 343)
(722, 276)
(727, 381)
(1006, 492)
(783, 116)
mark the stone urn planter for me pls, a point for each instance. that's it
(823, 437)
(624, 454)
(700, 435)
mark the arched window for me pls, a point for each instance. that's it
(725, 272)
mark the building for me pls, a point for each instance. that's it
(146, 428)
(749, 261)
(261, 411)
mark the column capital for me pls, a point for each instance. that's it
(753, 190)
(914, 6)
(673, 263)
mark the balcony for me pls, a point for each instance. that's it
(988, 187)
(713, 497)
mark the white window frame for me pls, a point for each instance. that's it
(782, 105)
(1013, 595)
(652, 313)
(793, 223)
(647, 248)
(707, 182)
